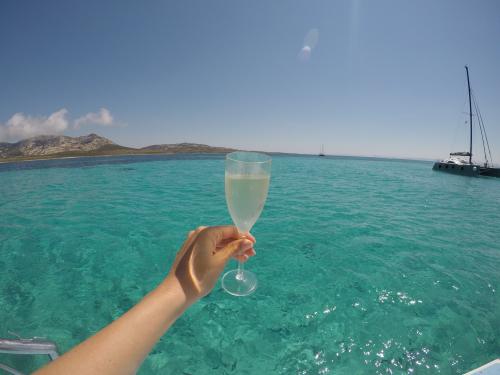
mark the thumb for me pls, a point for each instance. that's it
(234, 248)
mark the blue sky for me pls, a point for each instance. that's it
(384, 78)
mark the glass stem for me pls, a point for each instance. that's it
(239, 274)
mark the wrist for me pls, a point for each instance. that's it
(172, 287)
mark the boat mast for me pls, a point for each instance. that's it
(470, 115)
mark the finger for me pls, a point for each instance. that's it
(251, 252)
(250, 237)
(245, 256)
(241, 258)
(225, 232)
(235, 248)
(223, 243)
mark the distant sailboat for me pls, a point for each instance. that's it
(457, 163)
(322, 152)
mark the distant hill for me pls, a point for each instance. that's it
(186, 147)
(53, 146)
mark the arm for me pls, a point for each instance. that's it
(120, 347)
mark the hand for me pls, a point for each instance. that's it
(120, 347)
(202, 258)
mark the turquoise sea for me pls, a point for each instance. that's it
(365, 266)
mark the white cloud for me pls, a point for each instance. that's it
(21, 126)
(310, 42)
(103, 117)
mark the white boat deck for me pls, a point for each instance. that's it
(492, 368)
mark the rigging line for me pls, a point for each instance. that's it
(484, 128)
(480, 117)
(480, 127)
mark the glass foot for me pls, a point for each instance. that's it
(239, 283)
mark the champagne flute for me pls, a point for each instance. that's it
(247, 182)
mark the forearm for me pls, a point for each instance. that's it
(121, 347)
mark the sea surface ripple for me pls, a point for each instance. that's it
(365, 266)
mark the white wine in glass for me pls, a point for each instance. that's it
(247, 183)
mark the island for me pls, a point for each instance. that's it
(60, 146)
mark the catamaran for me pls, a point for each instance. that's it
(461, 162)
